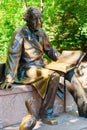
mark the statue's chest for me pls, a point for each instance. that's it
(33, 46)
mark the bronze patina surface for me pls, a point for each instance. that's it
(25, 64)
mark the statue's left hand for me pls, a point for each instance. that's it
(5, 85)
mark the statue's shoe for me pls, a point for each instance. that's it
(50, 121)
(82, 110)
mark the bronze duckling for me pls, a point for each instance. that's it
(29, 121)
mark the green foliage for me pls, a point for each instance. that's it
(72, 23)
(11, 18)
(65, 22)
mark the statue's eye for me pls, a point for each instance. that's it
(37, 17)
(34, 18)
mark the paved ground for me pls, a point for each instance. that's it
(66, 121)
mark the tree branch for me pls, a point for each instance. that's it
(42, 5)
(25, 4)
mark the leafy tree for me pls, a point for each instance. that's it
(65, 22)
(71, 20)
(11, 18)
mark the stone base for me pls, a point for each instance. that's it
(12, 108)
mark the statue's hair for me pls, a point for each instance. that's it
(30, 12)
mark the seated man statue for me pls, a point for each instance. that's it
(25, 65)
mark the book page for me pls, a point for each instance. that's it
(67, 61)
(71, 57)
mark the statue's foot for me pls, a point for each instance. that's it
(82, 110)
(50, 121)
(28, 122)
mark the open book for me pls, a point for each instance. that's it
(68, 60)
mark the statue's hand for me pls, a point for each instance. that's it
(5, 85)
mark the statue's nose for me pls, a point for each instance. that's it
(39, 21)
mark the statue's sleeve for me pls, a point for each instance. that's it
(49, 50)
(13, 57)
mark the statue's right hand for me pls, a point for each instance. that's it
(5, 85)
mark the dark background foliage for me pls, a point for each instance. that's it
(65, 22)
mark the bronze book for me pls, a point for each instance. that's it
(68, 60)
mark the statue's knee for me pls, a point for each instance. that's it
(54, 80)
(55, 76)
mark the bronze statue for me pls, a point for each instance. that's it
(25, 65)
(29, 121)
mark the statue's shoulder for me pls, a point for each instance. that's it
(22, 31)
(40, 32)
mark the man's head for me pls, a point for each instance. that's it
(33, 18)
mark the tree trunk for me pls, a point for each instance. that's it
(25, 4)
(42, 5)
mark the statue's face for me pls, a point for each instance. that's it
(35, 20)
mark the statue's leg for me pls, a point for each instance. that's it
(78, 93)
(46, 109)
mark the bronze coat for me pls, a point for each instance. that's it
(25, 59)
